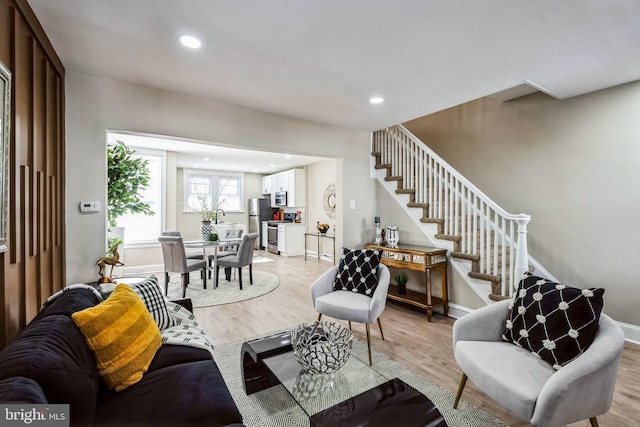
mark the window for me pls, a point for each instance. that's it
(223, 188)
(141, 228)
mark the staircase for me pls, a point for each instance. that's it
(487, 244)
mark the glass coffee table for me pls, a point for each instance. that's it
(353, 394)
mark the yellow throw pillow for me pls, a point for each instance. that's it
(122, 335)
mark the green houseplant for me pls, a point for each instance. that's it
(127, 177)
(401, 281)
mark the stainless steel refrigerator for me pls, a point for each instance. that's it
(259, 210)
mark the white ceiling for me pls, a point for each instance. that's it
(321, 60)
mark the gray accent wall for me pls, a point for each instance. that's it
(573, 165)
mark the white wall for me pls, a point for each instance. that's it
(94, 105)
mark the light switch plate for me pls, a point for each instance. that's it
(352, 204)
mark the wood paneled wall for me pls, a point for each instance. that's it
(34, 265)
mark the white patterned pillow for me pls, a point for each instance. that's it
(358, 271)
(151, 294)
(555, 322)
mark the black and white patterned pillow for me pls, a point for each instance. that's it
(358, 271)
(151, 294)
(555, 322)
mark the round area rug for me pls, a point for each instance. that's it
(226, 292)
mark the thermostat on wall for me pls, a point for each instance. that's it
(89, 206)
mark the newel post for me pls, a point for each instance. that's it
(522, 253)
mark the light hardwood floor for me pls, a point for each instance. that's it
(424, 347)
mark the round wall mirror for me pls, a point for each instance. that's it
(330, 201)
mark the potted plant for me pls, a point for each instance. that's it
(127, 177)
(401, 281)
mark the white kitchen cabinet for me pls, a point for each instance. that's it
(267, 184)
(264, 235)
(293, 181)
(282, 235)
(280, 182)
(297, 188)
(291, 239)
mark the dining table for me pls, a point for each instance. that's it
(208, 245)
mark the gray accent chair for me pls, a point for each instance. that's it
(243, 258)
(351, 306)
(528, 387)
(175, 261)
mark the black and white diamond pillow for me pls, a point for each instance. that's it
(358, 271)
(555, 322)
(151, 294)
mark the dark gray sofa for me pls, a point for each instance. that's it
(50, 362)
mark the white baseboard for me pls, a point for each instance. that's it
(323, 257)
(456, 311)
(631, 332)
(142, 269)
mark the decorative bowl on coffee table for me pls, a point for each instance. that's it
(321, 347)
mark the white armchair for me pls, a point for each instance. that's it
(351, 306)
(528, 387)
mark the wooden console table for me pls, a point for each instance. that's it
(417, 258)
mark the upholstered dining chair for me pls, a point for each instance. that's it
(243, 258)
(176, 261)
(529, 387)
(226, 250)
(189, 255)
(348, 305)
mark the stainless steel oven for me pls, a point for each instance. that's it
(272, 237)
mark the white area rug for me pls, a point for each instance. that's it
(226, 292)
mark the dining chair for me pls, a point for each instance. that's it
(243, 258)
(176, 261)
(189, 255)
(226, 250)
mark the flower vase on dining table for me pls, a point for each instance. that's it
(206, 230)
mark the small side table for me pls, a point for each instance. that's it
(319, 237)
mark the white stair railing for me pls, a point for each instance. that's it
(481, 228)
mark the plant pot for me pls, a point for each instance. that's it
(402, 288)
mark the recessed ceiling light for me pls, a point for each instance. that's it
(205, 159)
(286, 156)
(189, 41)
(376, 100)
